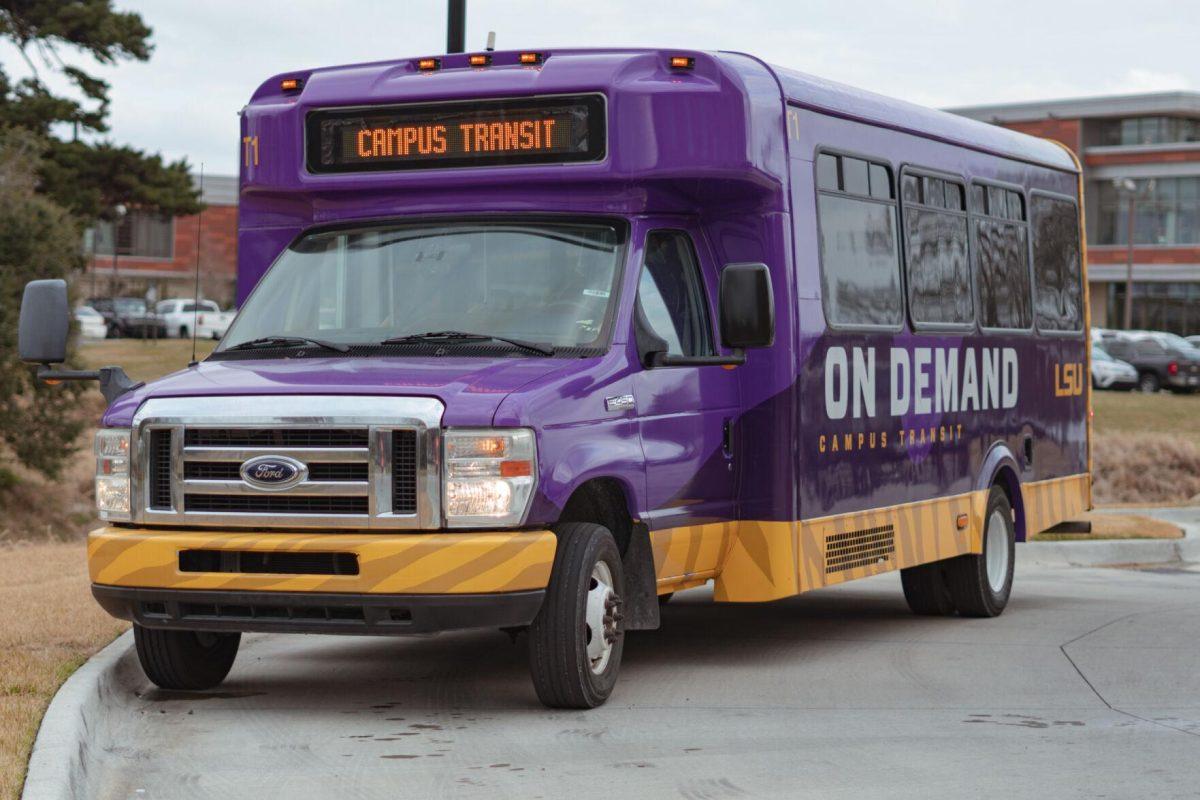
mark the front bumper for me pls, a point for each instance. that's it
(431, 577)
(310, 612)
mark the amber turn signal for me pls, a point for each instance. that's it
(530, 58)
(961, 521)
(428, 64)
(480, 60)
(682, 62)
(291, 84)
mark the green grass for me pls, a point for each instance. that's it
(1134, 412)
(143, 359)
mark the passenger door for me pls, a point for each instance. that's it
(685, 412)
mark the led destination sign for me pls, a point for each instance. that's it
(482, 133)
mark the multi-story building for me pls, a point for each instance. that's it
(1142, 149)
(146, 250)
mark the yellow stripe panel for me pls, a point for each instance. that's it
(759, 561)
(434, 563)
(1048, 503)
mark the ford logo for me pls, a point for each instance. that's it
(273, 473)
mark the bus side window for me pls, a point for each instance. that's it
(1001, 258)
(860, 261)
(935, 235)
(672, 295)
(1056, 264)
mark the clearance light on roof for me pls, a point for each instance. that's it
(291, 84)
(682, 62)
(480, 60)
(429, 64)
(530, 58)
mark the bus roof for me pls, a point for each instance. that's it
(612, 66)
(838, 99)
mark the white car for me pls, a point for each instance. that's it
(92, 324)
(179, 314)
(212, 325)
(1111, 373)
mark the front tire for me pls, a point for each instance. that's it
(576, 640)
(187, 660)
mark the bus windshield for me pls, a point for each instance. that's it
(547, 283)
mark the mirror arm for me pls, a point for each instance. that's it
(113, 380)
(734, 359)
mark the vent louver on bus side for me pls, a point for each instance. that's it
(862, 548)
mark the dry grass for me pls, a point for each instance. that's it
(1146, 467)
(143, 359)
(51, 626)
(1118, 526)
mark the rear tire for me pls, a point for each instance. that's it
(187, 660)
(1149, 383)
(570, 666)
(981, 584)
(926, 591)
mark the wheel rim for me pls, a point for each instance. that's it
(996, 549)
(600, 620)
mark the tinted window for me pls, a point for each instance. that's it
(672, 296)
(1056, 264)
(935, 236)
(854, 176)
(1001, 260)
(827, 171)
(1149, 347)
(859, 259)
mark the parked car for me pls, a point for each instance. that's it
(1112, 373)
(1158, 365)
(91, 322)
(129, 316)
(212, 325)
(1194, 341)
(179, 314)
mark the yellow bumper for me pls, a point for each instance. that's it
(416, 563)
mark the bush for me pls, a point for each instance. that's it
(1145, 468)
(38, 239)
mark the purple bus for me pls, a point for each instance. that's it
(533, 340)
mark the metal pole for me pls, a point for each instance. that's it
(456, 26)
(1129, 260)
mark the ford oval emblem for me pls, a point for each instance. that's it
(273, 473)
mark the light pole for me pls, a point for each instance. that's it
(119, 211)
(456, 26)
(1129, 188)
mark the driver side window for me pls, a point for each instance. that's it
(672, 295)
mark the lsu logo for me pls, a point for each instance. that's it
(1068, 379)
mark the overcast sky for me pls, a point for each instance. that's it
(210, 55)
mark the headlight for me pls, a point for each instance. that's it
(112, 474)
(488, 476)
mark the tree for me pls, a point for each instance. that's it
(86, 177)
(51, 187)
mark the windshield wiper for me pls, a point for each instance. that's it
(288, 341)
(452, 337)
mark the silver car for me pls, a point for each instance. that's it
(1111, 373)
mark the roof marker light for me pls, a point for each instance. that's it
(530, 58)
(291, 84)
(682, 62)
(429, 64)
(480, 60)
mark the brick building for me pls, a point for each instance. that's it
(160, 252)
(1144, 148)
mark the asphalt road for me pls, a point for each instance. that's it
(1087, 686)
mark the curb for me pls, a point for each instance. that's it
(1107, 553)
(1114, 552)
(58, 766)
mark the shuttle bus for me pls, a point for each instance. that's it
(533, 340)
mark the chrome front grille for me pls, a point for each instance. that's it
(369, 462)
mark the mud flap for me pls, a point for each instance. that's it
(641, 588)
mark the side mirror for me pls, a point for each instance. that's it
(746, 306)
(42, 334)
(45, 322)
